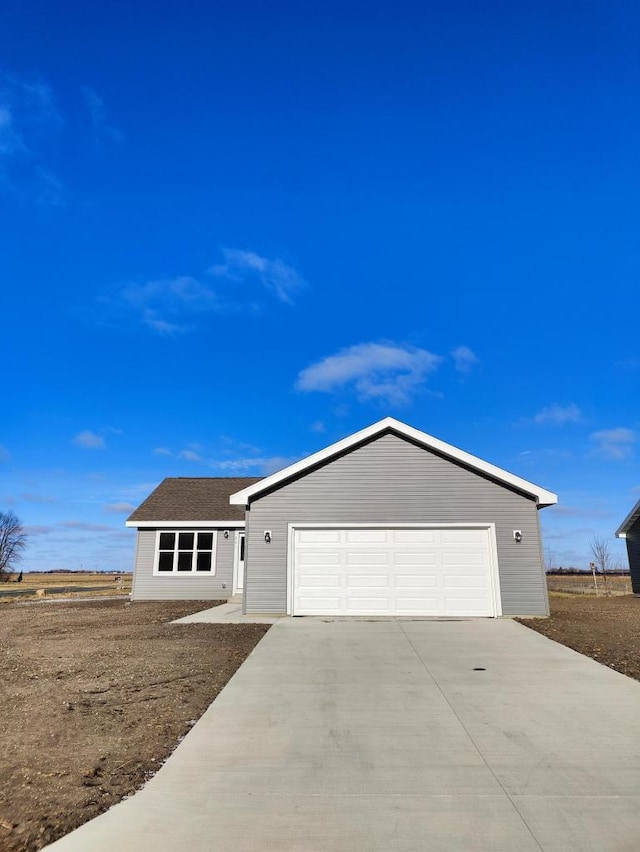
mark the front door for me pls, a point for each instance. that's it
(240, 563)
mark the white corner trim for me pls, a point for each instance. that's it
(156, 525)
(542, 496)
(629, 521)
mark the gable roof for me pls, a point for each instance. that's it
(390, 424)
(629, 521)
(197, 500)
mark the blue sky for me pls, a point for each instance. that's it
(233, 233)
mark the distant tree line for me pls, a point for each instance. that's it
(620, 572)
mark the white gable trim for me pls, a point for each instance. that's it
(542, 496)
(629, 521)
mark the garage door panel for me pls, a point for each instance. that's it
(477, 559)
(321, 581)
(463, 536)
(468, 581)
(434, 571)
(365, 537)
(381, 581)
(320, 559)
(414, 536)
(401, 557)
(318, 536)
(367, 557)
(415, 581)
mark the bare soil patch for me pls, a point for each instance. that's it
(94, 697)
(607, 629)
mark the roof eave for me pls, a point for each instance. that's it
(629, 521)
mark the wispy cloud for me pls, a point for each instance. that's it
(167, 305)
(615, 444)
(89, 440)
(260, 465)
(172, 306)
(121, 508)
(30, 124)
(83, 525)
(40, 499)
(318, 426)
(5, 455)
(104, 130)
(276, 276)
(464, 359)
(388, 372)
(38, 529)
(558, 415)
(190, 455)
(162, 451)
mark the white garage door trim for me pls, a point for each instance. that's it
(494, 576)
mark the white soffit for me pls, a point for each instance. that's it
(542, 496)
(629, 521)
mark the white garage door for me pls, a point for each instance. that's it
(392, 572)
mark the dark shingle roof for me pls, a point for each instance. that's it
(186, 498)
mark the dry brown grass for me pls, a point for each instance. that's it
(94, 584)
(582, 584)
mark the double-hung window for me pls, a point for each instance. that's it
(186, 552)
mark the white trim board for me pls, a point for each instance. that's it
(489, 526)
(541, 495)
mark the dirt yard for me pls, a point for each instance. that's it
(94, 697)
(604, 628)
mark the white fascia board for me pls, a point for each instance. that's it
(178, 524)
(629, 521)
(542, 496)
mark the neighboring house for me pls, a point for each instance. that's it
(629, 529)
(388, 521)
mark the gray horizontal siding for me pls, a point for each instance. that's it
(633, 552)
(387, 481)
(199, 587)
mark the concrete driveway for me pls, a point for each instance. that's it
(355, 735)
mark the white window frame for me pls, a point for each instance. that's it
(193, 572)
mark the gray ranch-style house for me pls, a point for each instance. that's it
(629, 529)
(388, 521)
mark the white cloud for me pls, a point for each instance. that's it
(162, 451)
(5, 455)
(83, 525)
(29, 497)
(318, 426)
(190, 455)
(103, 129)
(29, 123)
(558, 415)
(118, 508)
(464, 358)
(385, 371)
(89, 440)
(261, 465)
(282, 280)
(616, 444)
